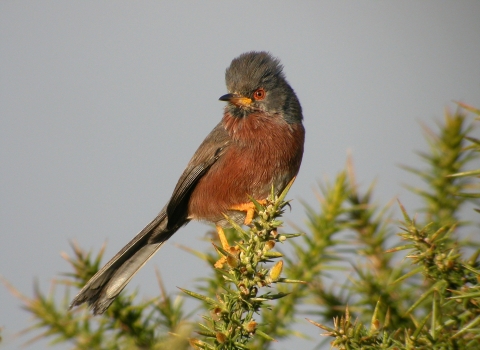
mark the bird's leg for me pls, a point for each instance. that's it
(249, 208)
(230, 250)
(222, 237)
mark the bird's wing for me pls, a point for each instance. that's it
(211, 149)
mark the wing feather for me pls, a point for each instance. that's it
(211, 149)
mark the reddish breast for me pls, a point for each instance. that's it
(265, 150)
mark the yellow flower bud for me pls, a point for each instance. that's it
(276, 271)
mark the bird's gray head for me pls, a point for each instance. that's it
(256, 82)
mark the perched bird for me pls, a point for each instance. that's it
(257, 144)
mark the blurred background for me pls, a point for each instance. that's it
(102, 104)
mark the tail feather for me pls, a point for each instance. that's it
(111, 288)
(102, 289)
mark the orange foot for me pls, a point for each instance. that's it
(223, 238)
(232, 250)
(249, 208)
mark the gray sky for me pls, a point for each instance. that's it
(102, 104)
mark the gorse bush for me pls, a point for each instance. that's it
(427, 298)
(407, 284)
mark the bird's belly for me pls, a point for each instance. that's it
(229, 182)
(243, 171)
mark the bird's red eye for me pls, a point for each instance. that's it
(259, 94)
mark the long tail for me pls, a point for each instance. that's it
(102, 289)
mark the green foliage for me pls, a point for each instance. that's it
(432, 300)
(417, 289)
(243, 276)
(153, 324)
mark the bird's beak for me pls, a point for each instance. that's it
(236, 99)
